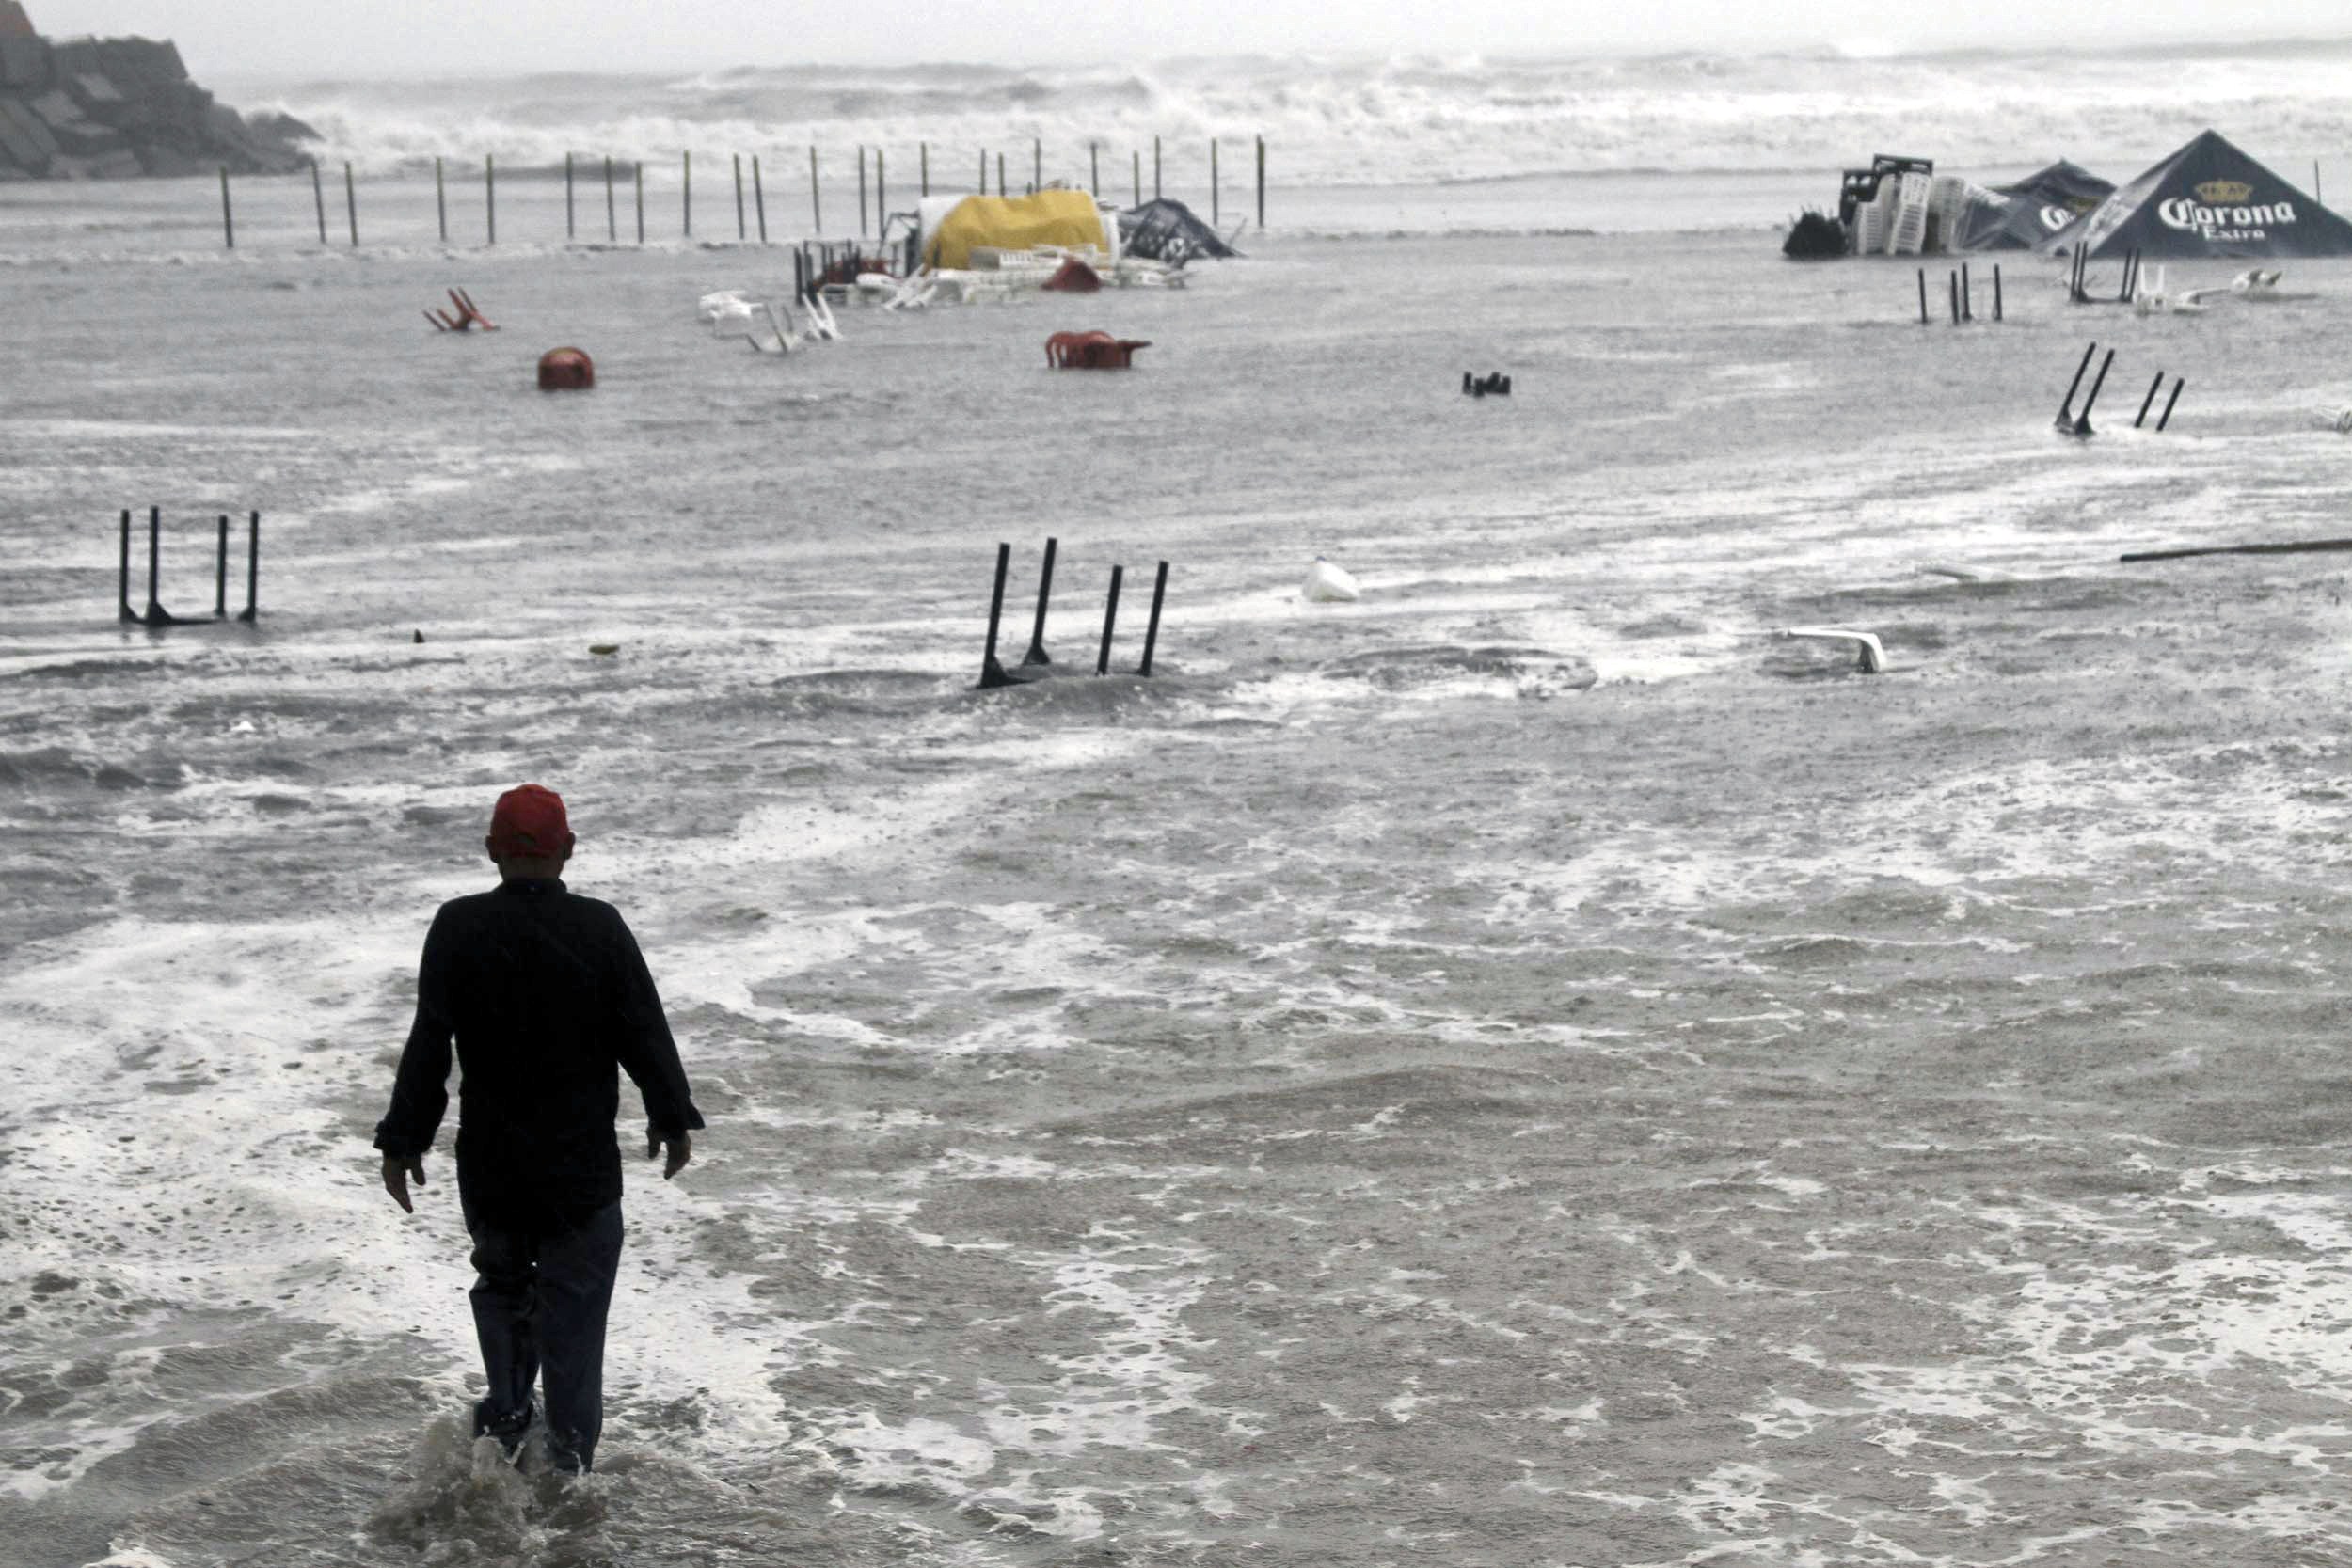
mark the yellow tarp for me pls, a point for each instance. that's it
(1014, 223)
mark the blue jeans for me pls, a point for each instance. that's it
(539, 1305)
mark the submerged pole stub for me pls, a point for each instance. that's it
(1037, 654)
(1110, 619)
(1151, 629)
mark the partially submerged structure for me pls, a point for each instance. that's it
(1165, 229)
(2025, 214)
(2208, 198)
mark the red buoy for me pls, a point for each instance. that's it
(566, 370)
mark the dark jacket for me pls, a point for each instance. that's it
(546, 995)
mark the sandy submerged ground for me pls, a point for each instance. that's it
(1359, 1096)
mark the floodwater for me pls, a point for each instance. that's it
(1526, 1068)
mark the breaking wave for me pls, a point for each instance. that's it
(1403, 119)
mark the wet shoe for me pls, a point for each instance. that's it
(508, 1430)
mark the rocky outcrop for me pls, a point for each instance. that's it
(107, 108)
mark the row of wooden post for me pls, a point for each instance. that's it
(636, 175)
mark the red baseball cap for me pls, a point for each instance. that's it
(530, 821)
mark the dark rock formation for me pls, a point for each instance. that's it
(106, 108)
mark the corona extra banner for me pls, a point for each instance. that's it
(2209, 200)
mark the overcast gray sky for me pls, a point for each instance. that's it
(369, 38)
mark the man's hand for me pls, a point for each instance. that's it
(682, 1150)
(396, 1174)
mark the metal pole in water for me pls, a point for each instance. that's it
(1094, 169)
(220, 575)
(2066, 408)
(882, 192)
(1138, 177)
(2082, 420)
(490, 194)
(1996, 291)
(1044, 592)
(1216, 184)
(1037, 163)
(759, 200)
(739, 232)
(1923, 296)
(318, 198)
(991, 673)
(155, 616)
(611, 228)
(1261, 182)
(2165, 418)
(688, 164)
(1953, 279)
(252, 570)
(1000, 174)
(816, 200)
(861, 190)
(1967, 296)
(126, 612)
(440, 197)
(1110, 618)
(923, 155)
(1151, 631)
(1156, 169)
(571, 231)
(227, 220)
(983, 171)
(2149, 402)
(351, 204)
(641, 203)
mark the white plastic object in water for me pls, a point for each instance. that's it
(711, 309)
(1910, 230)
(1872, 219)
(2254, 280)
(1874, 661)
(1326, 584)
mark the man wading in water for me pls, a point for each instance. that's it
(546, 995)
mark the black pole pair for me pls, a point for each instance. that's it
(155, 614)
(2068, 420)
(993, 673)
